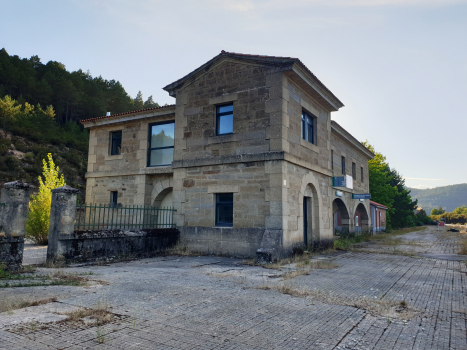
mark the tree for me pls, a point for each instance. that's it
(438, 211)
(379, 178)
(150, 103)
(138, 101)
(460, 210)
(37, 225)
(9, 109)
(403, 204)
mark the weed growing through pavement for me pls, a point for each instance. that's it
(12, 303)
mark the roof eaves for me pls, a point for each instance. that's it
(124, 113)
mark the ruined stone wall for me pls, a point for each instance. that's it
(116, 244)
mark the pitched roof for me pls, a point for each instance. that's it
(378, 205)
(286, 62)
(131, 112)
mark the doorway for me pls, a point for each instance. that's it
(307, 215)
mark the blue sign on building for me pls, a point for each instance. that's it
(338, 181)
(361, 196)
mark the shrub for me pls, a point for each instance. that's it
(37, 225)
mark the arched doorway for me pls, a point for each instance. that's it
(361, 218)
(164, 201)
(341, 218)
(310, 212)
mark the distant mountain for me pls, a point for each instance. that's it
(449, 197)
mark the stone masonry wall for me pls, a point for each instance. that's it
(127, 172)
(341, 147)
(108, 245)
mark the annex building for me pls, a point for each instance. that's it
(246, 156)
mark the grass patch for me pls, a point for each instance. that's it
(181, 250)
(377, 307)
(13, 303)
(295, 259)
(463, 246)
(381, 238)
(97, 316)
(57, 278)
(293, 274)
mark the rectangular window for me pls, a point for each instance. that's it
(115, 142)
(224, 119)
(113, 198)
(161, 143)
(308, 127)
(354, 171)
(332, 160)
(361, 173)
(343, 165)
(224, 209)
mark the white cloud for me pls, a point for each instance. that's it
(250, 5)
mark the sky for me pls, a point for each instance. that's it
(399, 66)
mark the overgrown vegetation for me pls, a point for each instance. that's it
(387, 187)
(10, 279)
(40, 109)
(12, 303)
(344, 243)
(37, 225)
(458, 216)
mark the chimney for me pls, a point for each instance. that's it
(108, 114)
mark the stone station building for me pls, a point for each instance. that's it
(246, 156)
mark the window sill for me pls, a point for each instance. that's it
(309, 145)
(114, 157)
(222, 138)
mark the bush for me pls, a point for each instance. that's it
(37, 225)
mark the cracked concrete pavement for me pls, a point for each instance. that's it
(220, 303)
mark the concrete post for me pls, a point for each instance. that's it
(15, 196)
(62, 218)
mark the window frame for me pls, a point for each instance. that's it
(343, 165)
(220, 114)
(354, 171)
(148, 163)
(114, 199)
(361, 174)
(219, 205)
(111, 150)
(332, 160)
(308, 119)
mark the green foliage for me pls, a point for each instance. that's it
(37, 225)
(74, 95)
(438, 211)
(451, 218)
(460, 210)
(387, 187)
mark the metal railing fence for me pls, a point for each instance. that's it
(110, 217)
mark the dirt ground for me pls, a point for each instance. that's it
(402, 292)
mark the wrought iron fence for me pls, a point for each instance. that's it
(111, 217)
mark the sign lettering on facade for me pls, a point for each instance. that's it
(361, 196)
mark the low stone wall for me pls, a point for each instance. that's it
(240, 242)
(104, 245)
(11, 252)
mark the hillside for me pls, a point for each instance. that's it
(21, 159)
(449, 197)
(40, 109)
